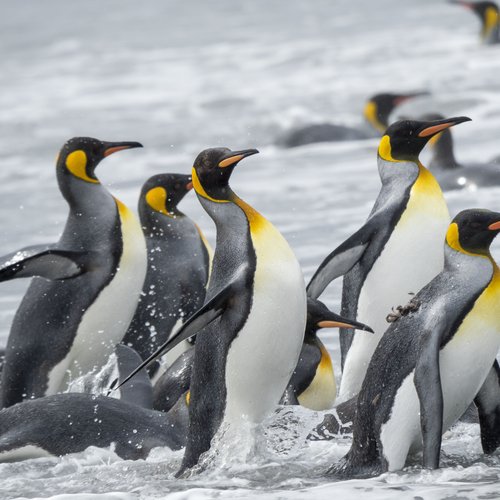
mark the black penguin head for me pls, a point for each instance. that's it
(319, 316)
(473, 230)
(163, 192)
(405, 139)
(487, 12)
(213, 168)
(80, 156)
(380, 106)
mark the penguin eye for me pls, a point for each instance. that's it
(475, 225)
(177, 186)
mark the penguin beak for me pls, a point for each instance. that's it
(189, 185)
(114, 147)
(495, 226)
(335, 321)
(236, 156)
(432, 128)
(402, 98)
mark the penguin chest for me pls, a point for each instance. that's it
(264, 353)
(105, 322)
(322, 391)
(411, 257)
(467, 358)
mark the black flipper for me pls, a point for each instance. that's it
(44, 261)
(174, 383)
(427, 381)
(341, 260)
(488, 406)
(139, 391)
(196, 322)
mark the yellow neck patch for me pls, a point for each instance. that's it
(156, 198)
(76, 163)
(490, 21)
(200, 190)
(370, 113)
(384, 149)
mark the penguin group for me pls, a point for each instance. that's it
(203, 342)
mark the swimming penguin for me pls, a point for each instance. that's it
(490, 20)
(246, 354)
(431, 364)
(376, 112)
(451, 174)
(313, 381)
(396, 252)
(71, 422)
(178, 265)
(87, 286)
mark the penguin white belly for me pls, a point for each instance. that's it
(23, 453)
(402, 431)
(262, 357)
(412, 256)
(467, 359)
(105, 322)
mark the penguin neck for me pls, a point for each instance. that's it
(466, 262)
(156, 224)
(443, 156)
(85, 198)
(398, 175)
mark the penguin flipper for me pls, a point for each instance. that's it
(139, 391)
(488, 406)
(41, 260)
(289, 397)
(210, 311)
(427, 381)
(341, 260)
(174, 382)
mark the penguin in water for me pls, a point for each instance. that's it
(490, 19)
(178, 265)
(431, 364)
(451, 174)
(396, 252)
(86, 285)
(376, 112)
(254, 277)
(66, 423)
(313, 382)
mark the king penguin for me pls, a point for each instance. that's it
(431, 364)
(490, 19)
(71, 422)
(178, 265)
(251, 328)
(449, 172)
(87, 285)
(313, 382)
(376, 112)
(396, 252)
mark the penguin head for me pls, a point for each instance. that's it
(405, 139)
(80, 156)
(472, 231)
(213, 168)
(163, 192)
(319, 316)
(487, 12)
(380, 106)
